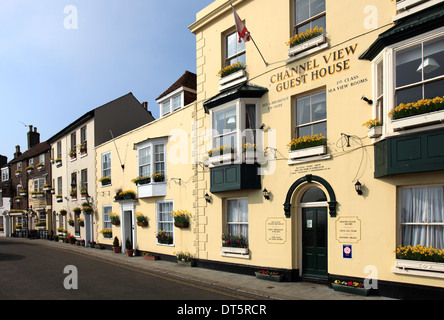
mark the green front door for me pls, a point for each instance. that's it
(314, 242)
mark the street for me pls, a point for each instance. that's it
(33, 272)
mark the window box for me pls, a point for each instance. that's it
(374, 132)
(405, 4)
(58, 163)
(17, 199)
(37, 194)
(419, 265)
(23, 193)
(18, 173)
(105, 181)
(59, 198)
(233, 79)
(40, 167)
(419, 268)
(307, 152)
(418, 120)
(314, 42)
(222, 159)
(235, 252)
(158, 189)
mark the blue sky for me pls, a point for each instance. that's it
(51, 75)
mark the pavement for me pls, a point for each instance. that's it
(218, 280)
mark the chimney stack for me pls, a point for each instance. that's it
(33, 137)
(17, 152)
(145, 105)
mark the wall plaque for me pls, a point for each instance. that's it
(276, 230)
(348, 229)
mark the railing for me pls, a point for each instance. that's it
(32, 234)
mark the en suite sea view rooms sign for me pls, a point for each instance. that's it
(329, 64)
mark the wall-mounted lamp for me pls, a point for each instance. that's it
(367, 100)
(266, 194)
(207, 198)
(358, 187)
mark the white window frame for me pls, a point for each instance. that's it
(106, 219)
(309, 20)
(38, 184)
(106, 169)
(151, 146)
(426, 224)
(239, 52)
(311, 123)
(388, 56)
(5, 174)
(158, 221)
(228, 223)
(173, 101)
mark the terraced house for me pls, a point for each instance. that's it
(150, 175)
(310, 167)
(73, 158)
(26, 182)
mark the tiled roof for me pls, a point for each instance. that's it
(40, 148)
(187, 80)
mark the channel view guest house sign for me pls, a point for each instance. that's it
(329, 64)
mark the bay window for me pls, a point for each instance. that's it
(225, 127)
(420, 71)
(152, 159)
(151, 181)
(234, 125)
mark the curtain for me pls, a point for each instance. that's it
(421, 209)
(237, 217)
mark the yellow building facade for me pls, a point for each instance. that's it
(261, 193)
(335, 211)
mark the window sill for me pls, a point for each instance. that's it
(165, 244)
(153, 189)
(418, 120)
(232, 79)
(419, 268)
(242, 253)
(307, 154)
(374, 132)
(408, 7)
(307, 48)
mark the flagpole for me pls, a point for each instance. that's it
(266, 64)
(249, 35)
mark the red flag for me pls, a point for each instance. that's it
(240, 27)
